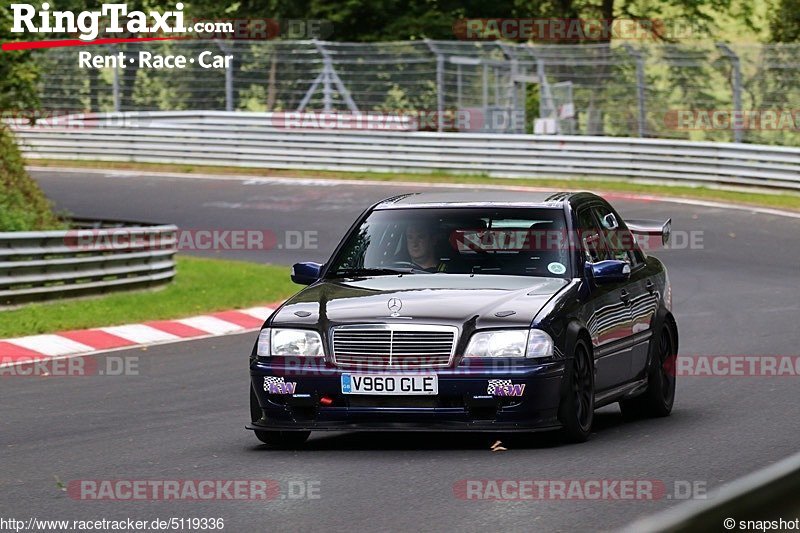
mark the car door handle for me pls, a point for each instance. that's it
(650, 286)
(624, 296)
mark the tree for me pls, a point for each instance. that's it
(785, 22)
(23, 206)
(18, 73)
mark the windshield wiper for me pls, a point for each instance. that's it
(383, 271)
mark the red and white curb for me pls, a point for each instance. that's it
(33, 348)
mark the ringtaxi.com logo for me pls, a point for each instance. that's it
(87, 23)
(117, 21)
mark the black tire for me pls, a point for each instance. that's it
(576, 411)
(275, 439)
(659, 397)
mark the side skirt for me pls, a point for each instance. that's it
(628, 390)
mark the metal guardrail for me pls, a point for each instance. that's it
(37, 265)
(253, 140)
(765, 495)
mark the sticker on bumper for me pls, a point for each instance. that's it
(504, 387)
(276, 385)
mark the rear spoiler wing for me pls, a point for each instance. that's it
(651, 228)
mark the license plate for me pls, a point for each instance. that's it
(390, 384)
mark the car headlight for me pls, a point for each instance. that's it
(532, 343)
(289, 342)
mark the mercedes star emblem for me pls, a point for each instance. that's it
(395, 304)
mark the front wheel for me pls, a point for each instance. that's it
(659, 397)
(576, 412)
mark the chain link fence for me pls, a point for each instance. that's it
(742, 93)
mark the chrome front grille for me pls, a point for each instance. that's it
(393, 346)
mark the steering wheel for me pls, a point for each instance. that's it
(409, 264)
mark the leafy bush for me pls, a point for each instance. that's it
(23, 206)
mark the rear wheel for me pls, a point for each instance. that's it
(275, 439)
(576, 412)
(659, 397)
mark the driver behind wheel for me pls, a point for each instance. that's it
(421, 244)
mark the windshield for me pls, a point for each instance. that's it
(508, 241)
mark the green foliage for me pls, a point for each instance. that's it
(18, 74)
(785, 22)
(23, 206)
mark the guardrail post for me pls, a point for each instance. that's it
(640, 87)
(439, 84)
(736, 84)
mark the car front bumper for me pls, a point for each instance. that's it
(312, 400)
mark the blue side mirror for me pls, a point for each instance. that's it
(610, 271)
(306, 273)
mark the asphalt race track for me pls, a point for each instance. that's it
(184, 416)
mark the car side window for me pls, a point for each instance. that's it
(591, 240)
(618, 238)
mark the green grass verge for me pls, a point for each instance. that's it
(201, 286)
(781, 200)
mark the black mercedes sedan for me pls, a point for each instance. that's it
(471, 311)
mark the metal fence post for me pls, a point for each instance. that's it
(513, 78)
(115, 83)
(547, 106)
(439, 84)
(736, 85)
(327, 77)
(640, 87)
(327, 70)
(227, 49)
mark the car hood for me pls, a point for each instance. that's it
(454, 299)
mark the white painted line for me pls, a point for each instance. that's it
(312, 182)
(261, 313)
(210, 324)
(50, 345)
(140, 334)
